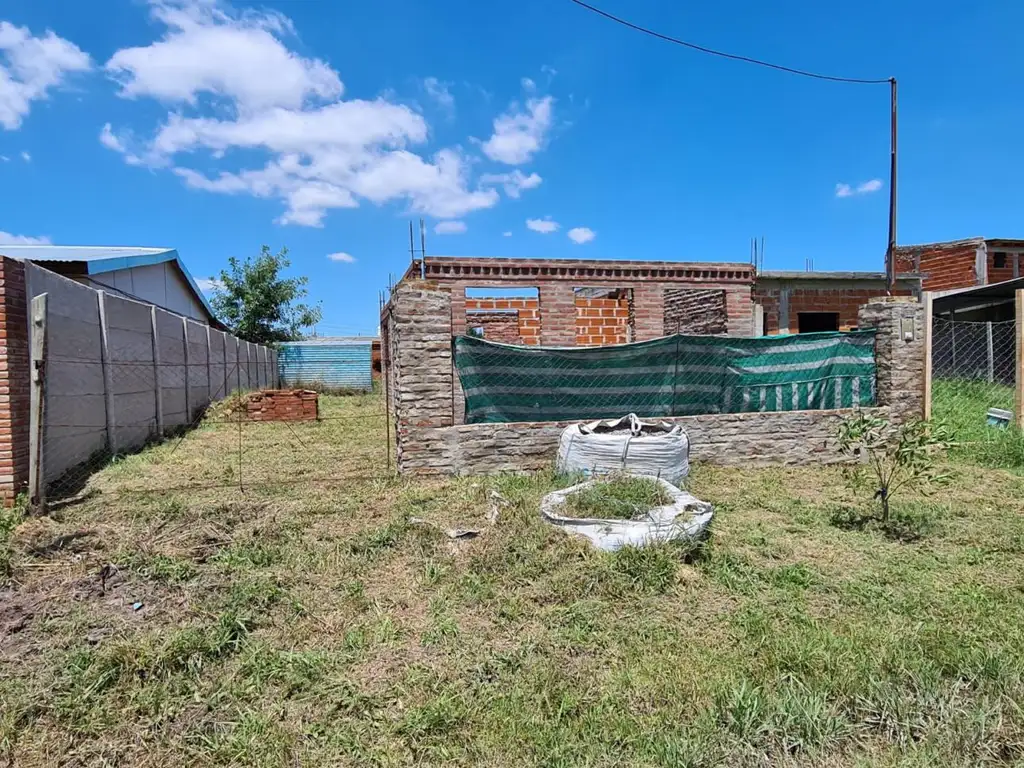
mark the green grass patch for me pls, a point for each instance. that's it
(311, 624)
(962, 404)
(620, 497)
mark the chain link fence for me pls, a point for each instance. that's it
(672, 376)
(973, 379)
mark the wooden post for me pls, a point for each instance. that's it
(188, 373)
(157, 384)
(108, 376)
(37, 414)
(928, 341)
(1018, 368)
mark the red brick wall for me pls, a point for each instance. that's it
(14, 380)
(601, 321)
(998, 274)
(846, 301)
(527, 313)
(596, 321)
(949, 268)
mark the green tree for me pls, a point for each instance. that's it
(258, 305)
(888, 458)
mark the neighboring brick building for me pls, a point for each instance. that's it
(803, 302)
(962, 263)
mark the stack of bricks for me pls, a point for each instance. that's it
(602, 321)
(283, 405)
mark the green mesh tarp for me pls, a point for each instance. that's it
(671, 376)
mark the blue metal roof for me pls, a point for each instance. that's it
(99, 259)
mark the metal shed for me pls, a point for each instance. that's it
(341, 362)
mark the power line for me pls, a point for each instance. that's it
(724, 55)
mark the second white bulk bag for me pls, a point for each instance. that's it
(643, 448)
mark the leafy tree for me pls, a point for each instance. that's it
(890, 458)
(258, 305)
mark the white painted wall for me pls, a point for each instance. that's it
(161, 284)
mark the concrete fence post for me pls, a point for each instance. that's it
(227, 371)
(238, 363)
(108, 375)
(158, 389)
(37, 401)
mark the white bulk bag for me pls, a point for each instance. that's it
(686, 517)
(643, 448)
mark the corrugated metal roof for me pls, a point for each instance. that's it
(77, 252)
(341, 363)
(331, 340)
(99, 259)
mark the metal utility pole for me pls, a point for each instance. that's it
(890, 253)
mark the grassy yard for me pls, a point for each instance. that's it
(962, 405)
(308, 622)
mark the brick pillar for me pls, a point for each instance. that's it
(557, 314)
(739, 308)
(899, 354)
(420, 332)
(15, 380)
(648, 312)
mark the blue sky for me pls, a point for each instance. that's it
(515, 129)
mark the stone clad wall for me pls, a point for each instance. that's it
(790, 438)
(432, 440)
(899, 353)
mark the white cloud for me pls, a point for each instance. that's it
(506, 234)
(865, 188)
(545, 226)
(439, 92)
(209, 49)
(514, 182)
(345, 258)
(26, 157)
(581, 235)
(209, 284)
(518, 134)
(322, 152)
(450, 228)
(4, 159)
(528, 84)
(6, 238)
(30, 67)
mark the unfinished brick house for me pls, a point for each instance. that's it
(586, 303)
(806, 302)
(962, 263)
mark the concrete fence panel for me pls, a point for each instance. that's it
(170, 338)
(198, 369)
(131, 373)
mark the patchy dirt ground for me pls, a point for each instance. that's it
(169, 617)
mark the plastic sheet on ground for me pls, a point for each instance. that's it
(628, 444)
(687, 517)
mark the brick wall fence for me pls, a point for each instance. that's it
(430, 440)
(15, 379)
